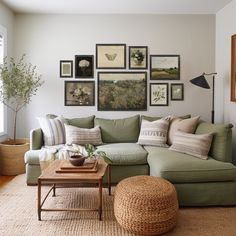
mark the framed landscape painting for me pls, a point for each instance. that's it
(164, 67)
(66, 69)
(122, 91)
(159, 94)
(110, 56)
(138, 57)
(177, 92)
(79, 93)
(84, 66)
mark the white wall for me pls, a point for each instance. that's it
(47, 39)
(225, 27)
(7, 21)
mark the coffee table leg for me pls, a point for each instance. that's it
(100, 199)
(109, 179)
(39, 200)
(54, 190)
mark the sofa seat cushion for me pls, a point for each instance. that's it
(183, 168)
(125, 153)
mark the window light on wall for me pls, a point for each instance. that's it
(2, 115)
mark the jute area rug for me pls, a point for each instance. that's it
(18, 215)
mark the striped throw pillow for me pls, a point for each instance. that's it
(154, 132)
(53, 130)
(197, 145)
(81, 136)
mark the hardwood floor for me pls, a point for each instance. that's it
(5, 179)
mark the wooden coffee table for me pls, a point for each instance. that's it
(49, 176)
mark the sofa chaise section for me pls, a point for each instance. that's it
(199, 182)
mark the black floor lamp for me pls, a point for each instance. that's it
(202, 82)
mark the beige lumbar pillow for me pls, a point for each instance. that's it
(197, 145)
(75, 135)
(185, 125)
(154, 132)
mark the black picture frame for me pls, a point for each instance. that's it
(159, 94)
(84, 66)
(122, 91)
(85, 96)
(177, 95)
(111, 56)
(164, 67)
(138, 57)
(66, 68)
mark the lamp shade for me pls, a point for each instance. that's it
(200, 81)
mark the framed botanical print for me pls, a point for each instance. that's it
(66, 69)
(110, 56)
(177, 92)
(122, 91)
(159, 94)
(138, 57)
(164, 67)
(79, 93)
(84, 66)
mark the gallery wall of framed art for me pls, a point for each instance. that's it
(122, 78)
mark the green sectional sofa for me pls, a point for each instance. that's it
(198, 182)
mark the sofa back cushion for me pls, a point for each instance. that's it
(124, 130)
(82, 122)
(152, 118)
(221, 147)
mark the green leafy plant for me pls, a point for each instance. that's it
(18, 83)
(93, 153)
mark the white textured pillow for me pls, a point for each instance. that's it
(154, 132)
(75, 135)
(197, 145)
(53, 130)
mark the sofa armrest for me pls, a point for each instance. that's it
(36, 139)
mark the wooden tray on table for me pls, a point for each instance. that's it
(67, 167)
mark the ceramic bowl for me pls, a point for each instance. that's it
(77, 160)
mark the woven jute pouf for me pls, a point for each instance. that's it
(146, 205)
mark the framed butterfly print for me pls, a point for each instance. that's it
(111, 56)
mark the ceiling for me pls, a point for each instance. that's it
(117, 6)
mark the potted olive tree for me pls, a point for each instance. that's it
(18, 83)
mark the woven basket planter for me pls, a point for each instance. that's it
(12, 156)
(146, 205)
